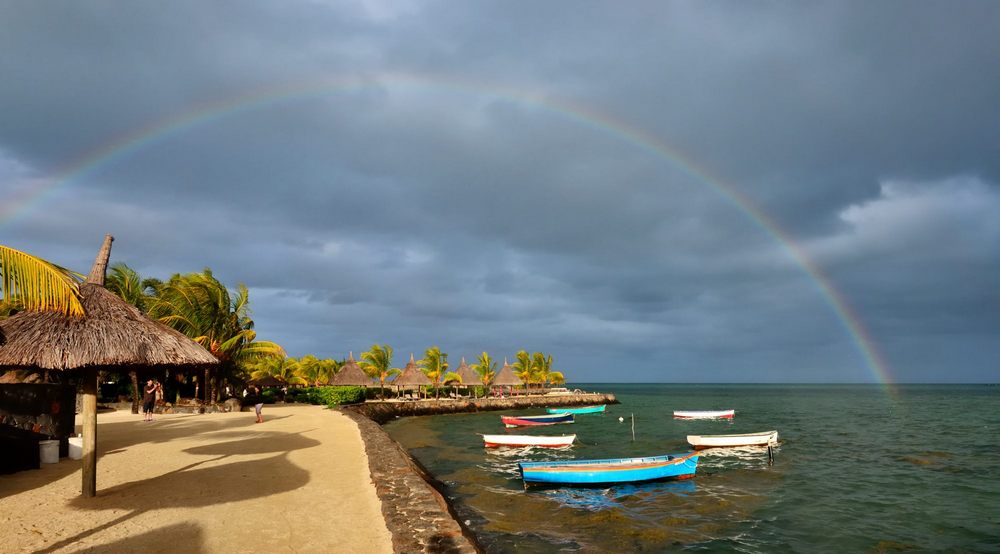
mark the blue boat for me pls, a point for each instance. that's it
(611, 471)
(581, 410)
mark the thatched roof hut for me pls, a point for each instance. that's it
(506, 376)
(112, 335)
(269, 381)
(411, 375)
(351, 374)
(469, 377)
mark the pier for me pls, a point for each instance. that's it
(381, 412)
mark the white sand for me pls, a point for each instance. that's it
(204, 483)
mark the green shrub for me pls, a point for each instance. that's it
(327, 396)
(269, 396)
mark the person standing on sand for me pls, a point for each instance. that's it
(149, 399)
(258, 400)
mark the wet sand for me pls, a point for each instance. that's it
(300, 481)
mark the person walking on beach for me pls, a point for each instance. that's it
(149, 399)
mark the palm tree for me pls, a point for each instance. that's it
(545, 372)
(127, 284)
(330, 367)
(541, 366)
(314, 371)
(377, 364)
(31, 283)
(524, 368)
(486, 368)
(283, 369)
(202, 308)
(435, 367)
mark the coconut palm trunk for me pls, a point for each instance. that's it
(135, 391)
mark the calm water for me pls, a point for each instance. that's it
(857, 470)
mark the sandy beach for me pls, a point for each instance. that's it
(205, 483)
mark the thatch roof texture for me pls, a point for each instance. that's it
(411, 375)
(111, 335)
(469, 377)
(506, 376)
(268, 381)
(351, 374)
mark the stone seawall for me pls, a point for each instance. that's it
(413, 501)
(382, 412)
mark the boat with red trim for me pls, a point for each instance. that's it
(525, 420)
(545, 441)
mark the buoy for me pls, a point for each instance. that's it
(621, 419)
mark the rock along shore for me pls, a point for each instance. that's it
(415, 510)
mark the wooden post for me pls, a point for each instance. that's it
(90, 432)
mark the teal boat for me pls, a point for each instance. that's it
(581, 410)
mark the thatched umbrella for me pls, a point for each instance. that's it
(112, 335)
(269, 381)
(351, 374)
(506, 376)
(411, 376)
(469, 377)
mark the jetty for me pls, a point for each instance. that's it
(383, 411)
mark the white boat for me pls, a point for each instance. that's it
(705, 414)
(547, 441)
(747, 439)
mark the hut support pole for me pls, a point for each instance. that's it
(90, 433)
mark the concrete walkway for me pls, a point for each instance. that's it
(205, 483)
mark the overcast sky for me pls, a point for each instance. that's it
(577, 178)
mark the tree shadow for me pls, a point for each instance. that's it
(204, 483)
(113, 436)
(30, 479)
(184, 537)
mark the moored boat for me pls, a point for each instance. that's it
(704, 414)
(549, 419)
(580, 410)
(610, 471)
(747, 439)
(545, 441)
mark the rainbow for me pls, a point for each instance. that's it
(35, 191)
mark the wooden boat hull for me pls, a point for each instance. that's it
(723, 441)
(610, 471)
(523, 421)
(580, 410)
(705, 414)
(494, 441)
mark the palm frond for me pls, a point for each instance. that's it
(38, 285)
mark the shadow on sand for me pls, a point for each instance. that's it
(211, 481)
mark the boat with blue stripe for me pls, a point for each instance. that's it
(526, 420)
(580, 410)
(610, 471)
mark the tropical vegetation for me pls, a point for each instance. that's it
(435, 367)
(201, 307)
(536, 369)
(31, 283)
(377, 364)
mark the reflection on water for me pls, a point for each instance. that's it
(812, 498)
(614, 497)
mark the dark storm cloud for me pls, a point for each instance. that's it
(419, 213)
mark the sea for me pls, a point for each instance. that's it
(859, 468)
